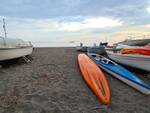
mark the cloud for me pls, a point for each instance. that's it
(130, 11)
(51, 20)
(147, 26)
(64, 24)
(59, 8)
(102, 22)
(59, 29)
(91, 23)
(148, 9)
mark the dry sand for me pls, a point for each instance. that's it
(52, 83)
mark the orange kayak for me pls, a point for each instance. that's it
(94, 78)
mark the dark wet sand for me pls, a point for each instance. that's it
(52, 83)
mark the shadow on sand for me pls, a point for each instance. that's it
(13, 62)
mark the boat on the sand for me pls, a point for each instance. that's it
(11, 48)
(14, 48)
(137, 61)
(137, 50)
(82, 48)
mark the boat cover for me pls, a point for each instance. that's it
(13, 43)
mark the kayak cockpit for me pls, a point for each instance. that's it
(102, 59)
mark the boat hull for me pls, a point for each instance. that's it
(136, 50)
(137, 61)
(136, 42)
(81, 49)
(12, 53)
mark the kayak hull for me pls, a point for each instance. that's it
(130, 83)
(121, 73)
(94, 78)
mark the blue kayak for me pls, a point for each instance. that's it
(120, 73)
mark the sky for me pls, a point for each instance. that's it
(69, 22)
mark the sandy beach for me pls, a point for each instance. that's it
(52, 83)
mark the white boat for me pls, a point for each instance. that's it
(135, 42)
(136, 61)
(121, 46)
(14, 48)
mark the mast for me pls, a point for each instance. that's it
(4, 27)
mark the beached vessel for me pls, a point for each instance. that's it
(120, 72)
(137, 61)
(94, 78)
(137, 50)
(81, 48)
(134, 42)
(13, 48)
